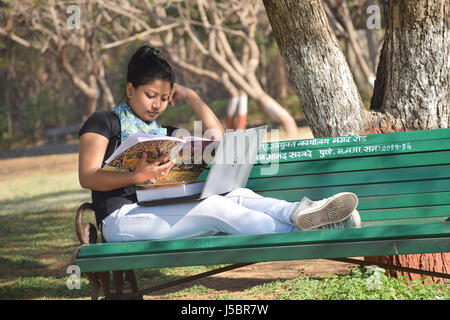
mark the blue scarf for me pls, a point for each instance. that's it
(131, 124)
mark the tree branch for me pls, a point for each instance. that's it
(77, 81)
(141, 35)
(339, 7)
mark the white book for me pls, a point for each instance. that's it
(182, 190)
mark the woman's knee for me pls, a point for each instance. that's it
(210, 205)
(241, 192)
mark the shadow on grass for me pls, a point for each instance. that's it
(20, 262)
(214, 286)
(40, 197)
(35, 250)
(49, 287)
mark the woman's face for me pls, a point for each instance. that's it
(149, 100)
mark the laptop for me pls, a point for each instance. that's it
(230, 168)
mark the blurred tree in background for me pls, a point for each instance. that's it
(56, 72)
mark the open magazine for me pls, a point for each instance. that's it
(192, 155)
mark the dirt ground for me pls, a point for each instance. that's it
(231, 283)
(234, 283)
(14, 167)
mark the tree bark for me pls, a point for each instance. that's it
(413, 75)
(413, 85)
(317, 67)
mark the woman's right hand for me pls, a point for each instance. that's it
(146, 171)
(92, 151)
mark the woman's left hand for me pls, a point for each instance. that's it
(179, 92)
(201, 109)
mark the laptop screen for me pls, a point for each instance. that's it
(233, 161)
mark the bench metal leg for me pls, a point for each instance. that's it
(118, 277)
(87, 234)
(104, 279)
(99, 280)
(94, 284)
(131, 278)
(183, 280)
(118, 282)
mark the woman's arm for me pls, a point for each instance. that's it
(201, 109)
(92, 149)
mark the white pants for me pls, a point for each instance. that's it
(241, 211)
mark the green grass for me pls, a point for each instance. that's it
(360, 284)
(37, 240)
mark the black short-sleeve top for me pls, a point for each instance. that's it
(107, 124)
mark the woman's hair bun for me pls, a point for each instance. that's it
(154, 51)
(149, 52)
(146, 65)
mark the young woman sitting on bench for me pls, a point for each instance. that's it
(150, 89)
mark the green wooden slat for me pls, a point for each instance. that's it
(405, 213)
(393, 137)
(353, 151)
(405, 201)
(260, 254)
(363, 190)
(372, 203)
(297, 195)
(383, 139)
(354, 164)
(234, 241)
(368, 207)
(349, 178)
(383, 202)
(402, 221)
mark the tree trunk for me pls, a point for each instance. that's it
(317, 67)
(91, 98)
(413, 75)
(413, 84)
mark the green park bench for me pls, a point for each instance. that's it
(402, 180)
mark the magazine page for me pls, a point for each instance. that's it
(192, 155)
(143, 140)
(191, 160)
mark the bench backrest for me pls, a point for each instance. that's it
(401, 177)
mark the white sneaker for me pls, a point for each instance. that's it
(353, 221)
(331, 210)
